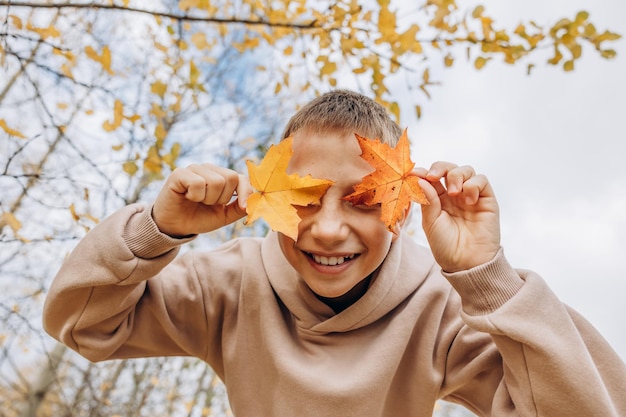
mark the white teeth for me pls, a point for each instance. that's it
(331, 260)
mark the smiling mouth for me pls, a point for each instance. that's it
(330, 260)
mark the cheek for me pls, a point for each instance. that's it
(304, 212)
(286, 246)
(376, 236)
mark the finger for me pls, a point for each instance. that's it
(236, 209)
(432, 191)
(439, 170)
(233, 212)
(456, 178)
(420, 172)
(226, 185)
(244, 190)
(216, 187)
(188, 183)
(476, 187)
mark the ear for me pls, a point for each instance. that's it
(406, 217)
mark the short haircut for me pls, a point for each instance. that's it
(345, 112)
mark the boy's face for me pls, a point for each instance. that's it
(338, 244)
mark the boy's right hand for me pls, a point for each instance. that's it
(199, 199)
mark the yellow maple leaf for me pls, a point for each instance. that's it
(392, 184)
(278, 192)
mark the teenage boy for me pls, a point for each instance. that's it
(348, 320)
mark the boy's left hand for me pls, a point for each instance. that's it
(462, 221)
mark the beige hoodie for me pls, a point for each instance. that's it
(492, 338)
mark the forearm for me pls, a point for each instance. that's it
(93, 298)
(554, 362)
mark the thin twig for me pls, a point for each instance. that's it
(175, 16)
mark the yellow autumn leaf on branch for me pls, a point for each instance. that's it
(278, 192)
(103, 58)
(386, 21)
(194, 73)
(159, 88)
(480, 62)
(9, 219)
(48, 32)
(118, 116)
(130, 167)
(9, 131)
(200, 41)
(16, 21)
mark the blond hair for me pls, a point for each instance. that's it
(345, 112)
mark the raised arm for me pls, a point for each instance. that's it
(554, 363)
(118, 294)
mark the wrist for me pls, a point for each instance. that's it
(144, 238)
(166, 229)
(486, 287)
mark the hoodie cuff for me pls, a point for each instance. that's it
(485, 288)
(145, 240)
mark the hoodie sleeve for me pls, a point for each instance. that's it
(111, 283)
(554, 363)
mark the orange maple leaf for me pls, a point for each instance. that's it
(392, 183)
(278, 192)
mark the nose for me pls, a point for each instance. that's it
(329, 222)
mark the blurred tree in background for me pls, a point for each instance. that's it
(99, 101)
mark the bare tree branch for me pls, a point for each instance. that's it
(174, 16)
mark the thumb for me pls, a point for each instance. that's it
(237, 208)
(430, 212)
(233, 212)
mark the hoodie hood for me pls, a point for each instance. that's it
(401, 273)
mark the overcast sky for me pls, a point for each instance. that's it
(554, 147)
